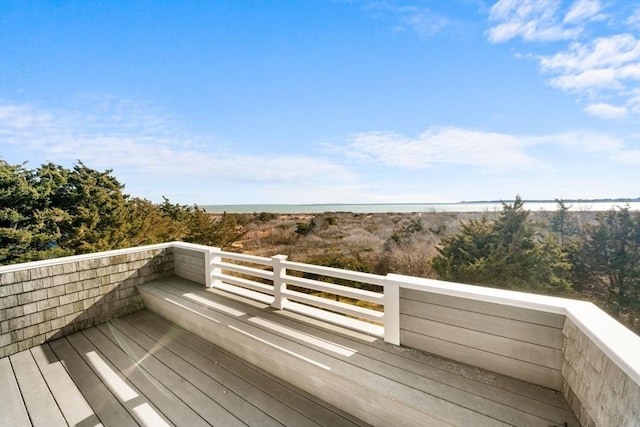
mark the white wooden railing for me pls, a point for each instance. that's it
(285, 288)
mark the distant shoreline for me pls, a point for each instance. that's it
(617, 200)
(467, 206)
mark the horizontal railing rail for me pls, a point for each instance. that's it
(303, 288)
(338, 273)
(345, 291)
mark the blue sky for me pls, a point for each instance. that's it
(224, 102)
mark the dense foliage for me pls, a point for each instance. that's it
(599, 260)
(53, 211)
(605, 259)
(507, 253)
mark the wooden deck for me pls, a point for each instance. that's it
(414, 387)
(144, 370)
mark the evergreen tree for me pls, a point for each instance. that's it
(506, 253)
(16, 204)
(98, 211)
(463, 257)
(606, 261)
(53, 211)
(28, 226)
(202, 229)
(562, 224)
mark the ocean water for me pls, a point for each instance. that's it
(412, 207)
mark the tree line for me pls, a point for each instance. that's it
(53, 211)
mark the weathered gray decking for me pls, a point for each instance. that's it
(142, 369)
(374, 373)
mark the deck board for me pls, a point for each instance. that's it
(12, 407)
(40, 404)
(467, 385)
(70, 400)
(245, 382)
(177, 399)
(305, 363)
(107, 408)
(502, 398)
(107, 362)
(289, 404)
(225, 399)
(142, 369)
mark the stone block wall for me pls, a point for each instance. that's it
(45, 300)
(598, 390)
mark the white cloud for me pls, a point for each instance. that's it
(483, 151)
(153, 158)
(420, 20)
(614, 52)
(532, 20)
(633, 20)
(602, 146)
(633, 102)
(142, 145)
(581, 141)
(605, 70)
(583, 10)
(631, 157)
(606, 111)
(442, 146)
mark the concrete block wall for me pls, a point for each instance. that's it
(45, 300)
(597, 389)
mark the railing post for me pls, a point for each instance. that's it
(391, 311)
(279, 283)
(213, 271)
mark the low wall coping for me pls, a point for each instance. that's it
(481, 293)
(192, 246)
(84, 257)
(619, 343)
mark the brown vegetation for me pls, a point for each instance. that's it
(381, 243)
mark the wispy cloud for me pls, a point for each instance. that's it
(602, 146)
(141, 144)
(153, 157)
(442, 146)
(418, 19)
(584, 10)
(604, 71)
(606, 111)
(633, 21)
(534, 20)
(486, 151)
(606, 62)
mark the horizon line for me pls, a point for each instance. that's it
(579, 200)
